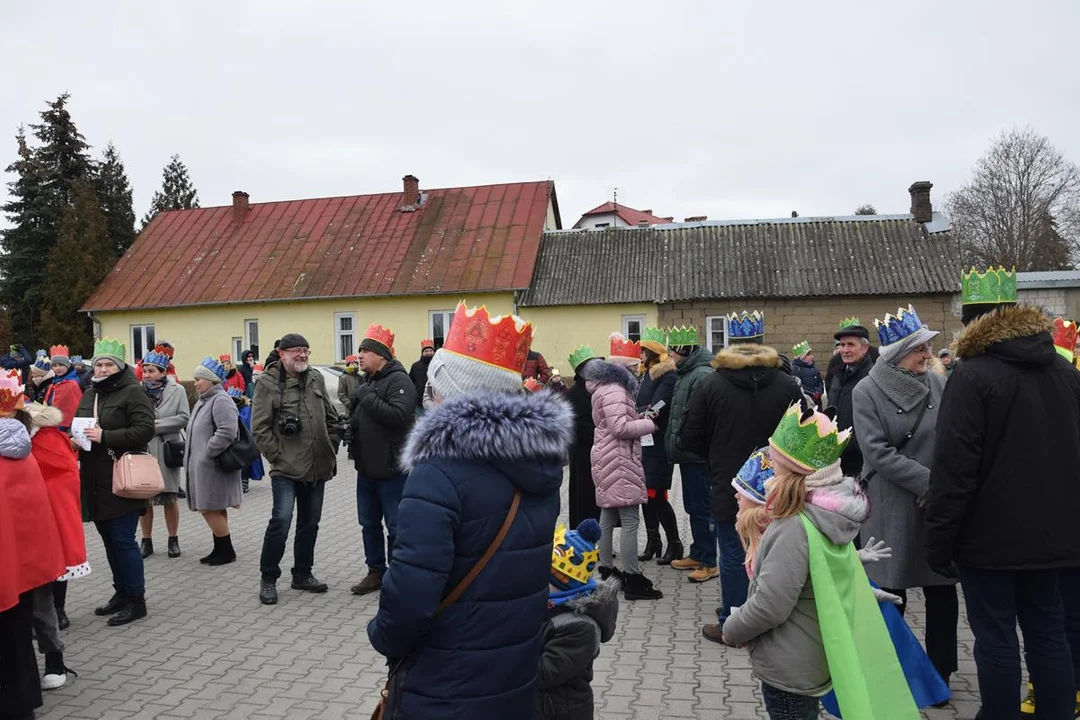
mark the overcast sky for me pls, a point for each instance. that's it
(690, 107)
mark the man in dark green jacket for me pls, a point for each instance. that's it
(692, 362)
(296, 427)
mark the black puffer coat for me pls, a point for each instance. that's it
(840, 391)
(1003, 486)
(384, 408)
(582, 489)
(657, 385)
(733, 412)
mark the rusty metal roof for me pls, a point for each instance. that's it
(472, 239)
(796, 257)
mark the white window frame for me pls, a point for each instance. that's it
(248, 344)
(146, 346)
(448, 318)
(340, 335)
(626, 320)
(710, 320)
(237, 349)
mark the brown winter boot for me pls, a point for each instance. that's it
(369, 584)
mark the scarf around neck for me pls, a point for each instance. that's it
(906, 389)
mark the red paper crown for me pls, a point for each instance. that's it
(56, 350)
(502, 341)
(533, 385)
(165, 349)
(224, 358)
(11, 392)
(1065, 333)
(349, 359)
(427, 344)
(621, 347)
(381, 335)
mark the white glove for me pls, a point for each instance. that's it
(874, 551)
(882, 596)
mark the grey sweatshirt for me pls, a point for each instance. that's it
(779, 622)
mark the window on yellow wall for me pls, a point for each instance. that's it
(631, 327)
(344, 335)
(716, 336)
(438, 325)
(237, 348)
(251, 335)
(142, 341)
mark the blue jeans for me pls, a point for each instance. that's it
(996, 601)
(308, 499)
(123, 554)
(378, 500)
(698, 505)
(783, 705)
(734, 582)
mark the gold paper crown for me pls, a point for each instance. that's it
(570, 561)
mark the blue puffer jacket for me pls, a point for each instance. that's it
(480, 658)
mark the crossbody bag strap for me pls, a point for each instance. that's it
(483, 561)
(904, 440)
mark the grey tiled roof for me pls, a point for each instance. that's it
(797, 257)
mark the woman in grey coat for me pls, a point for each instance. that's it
(210, 431)
(899, 398)
(171, 411)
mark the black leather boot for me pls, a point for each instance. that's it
(116, 603)
(135, 609)
(674, 552)
(213, 553)
(226, 554)
(639, 587)
(174, 546)
(653, 548)
(147, 547)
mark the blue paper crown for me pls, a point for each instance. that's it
(752, 476)
(234, 392)
(746, 326)
(42, 360)
(153, 357)
(899, 326)
(214, 366)
(76, 359)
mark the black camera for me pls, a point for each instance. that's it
(288, 425)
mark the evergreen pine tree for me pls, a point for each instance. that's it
(177, 191)
(114, 192)
(79, 261)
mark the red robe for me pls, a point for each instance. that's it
(64, 395)
(60, 469)
(30, 550)
(235, 380)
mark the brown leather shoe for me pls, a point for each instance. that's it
(714, 633)
(686, 564)
(369, 584)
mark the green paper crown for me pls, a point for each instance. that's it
(680, 336)
(110, 347)
(848, 322)
(812, 444)
(995, 286)
(801, 349)
(654, 334)
(580, 355)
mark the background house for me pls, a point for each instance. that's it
(221, 279)
(1056, 290)
(610, 214)
(805, 274)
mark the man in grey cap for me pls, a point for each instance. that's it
(296, 427)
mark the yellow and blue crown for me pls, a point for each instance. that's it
(747, 326)
(214, 366)
(809, 440)
(41, 362)
(897, 327)
(156, 358)
(574, 555)
(752, 476)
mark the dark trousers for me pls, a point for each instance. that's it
(942, 616)
(697, 503)
(658, 511)
(20, 684)
(734, 582)
(123, 554)
(376, 501)
(783, 705)
(308, 500)
(996, 600)
(582, 489)
(1070, 599)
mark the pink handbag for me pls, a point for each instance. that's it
(136, 476)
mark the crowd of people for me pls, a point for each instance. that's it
(818, 500)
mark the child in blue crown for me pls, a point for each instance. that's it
(582, 614)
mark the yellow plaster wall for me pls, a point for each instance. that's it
(200, 331)
(561, 329)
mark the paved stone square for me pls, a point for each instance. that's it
(210, 650)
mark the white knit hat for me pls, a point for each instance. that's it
(451, 374)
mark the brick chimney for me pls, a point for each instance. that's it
(240, 206)
(921, 207)
(411, 195)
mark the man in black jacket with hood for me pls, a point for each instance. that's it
(384, 407)
(1004, 498)
(418, 371)
(732, 413)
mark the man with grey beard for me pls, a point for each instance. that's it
(297, 428)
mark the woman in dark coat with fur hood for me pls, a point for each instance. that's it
(481, 444)
(658, 386)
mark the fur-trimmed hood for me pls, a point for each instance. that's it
(493, 426)
(607, 373)
(746, 355)
(42, 416)
(1002, 324)
(602, 605)
(662, 368)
